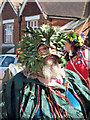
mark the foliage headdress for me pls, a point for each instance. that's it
(31, 41)
(77, 38)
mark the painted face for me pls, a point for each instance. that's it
(44, 50)
(47, 53)
(68, 46)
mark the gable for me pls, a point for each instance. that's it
(31, 9)
(3, 3)
(7, 12)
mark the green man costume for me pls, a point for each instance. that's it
(24, 97)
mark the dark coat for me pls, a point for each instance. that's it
(27, 99)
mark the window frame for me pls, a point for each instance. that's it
(8, 33)
(32, 24)
(32, 21)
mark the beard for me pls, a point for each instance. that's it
(50, 71)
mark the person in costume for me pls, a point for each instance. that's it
(44, 90)
(77, 56)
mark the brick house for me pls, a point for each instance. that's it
(9, 22)
(67, 15)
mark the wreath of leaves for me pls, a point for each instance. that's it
(30, 41)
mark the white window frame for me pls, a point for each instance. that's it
(32, 20)
(8, 33)
(8, 21)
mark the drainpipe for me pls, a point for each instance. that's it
(20, 20)
(51, 24)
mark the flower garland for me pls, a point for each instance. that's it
(77, 38)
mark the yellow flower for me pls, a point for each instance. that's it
(81, 43)
(80, 39)
(71, 39)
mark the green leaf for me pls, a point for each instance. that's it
(18, 47)
(74, 35)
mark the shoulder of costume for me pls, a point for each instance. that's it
(71, 74)
(76, 81)
(20, 78)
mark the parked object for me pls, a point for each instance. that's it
(5, 60)
(2, 73)
(12, 70)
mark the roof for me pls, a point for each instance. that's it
(14, 4)
(3, 4)
(75, 24)
(65, 9)
(59, 8)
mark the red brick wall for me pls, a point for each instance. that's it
(31, 9)
(16, 32)
(8, 12)
(0, 31)
(23, 25)
(42, 20)
(57, 22)
(16, 29)
(60, 22)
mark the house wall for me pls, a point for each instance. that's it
(16, 32)
(0, 33)
(40, 22)
(57, 22)
(7, 14)
(31, 9)
(60, 22)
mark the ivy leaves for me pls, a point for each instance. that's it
(28, 47)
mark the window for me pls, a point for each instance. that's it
(1, 57)
(7, 61)
(32, 21)
(33, 24)
(8, 33)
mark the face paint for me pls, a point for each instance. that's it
(44, 51)
(68, 46)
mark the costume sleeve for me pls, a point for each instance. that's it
(77, 84)
(87, 56)
(3, 115)
(11, 97)
(15, 68)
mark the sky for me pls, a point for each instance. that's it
(53, 0)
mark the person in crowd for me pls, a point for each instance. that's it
(44, 89)
(87, 45)
(77, 56)
(13, 69)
